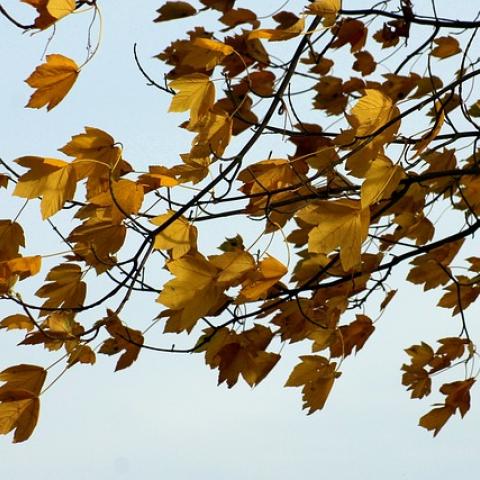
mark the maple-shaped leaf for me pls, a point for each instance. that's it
(65, 287)
(417, 379)
(53, 180)
(97, 157)
(339, 224)
(258, 283)
(29, 378)
(205, 53)
(174, 10)
(364, 63)
(81, 354)
(371, 112)
(214, 134)
(123, 198)
(436, 418)
(240, 354)
(11, 239)
(460, 294)
(179, 237)
(233, 265)
(96, 240)
(18, 268)
(452, 347)
(352, 336)
(237, 16)
(195, 92)
(381, 180)
(50, 11)
(123, 338)
(446, 47)
(280, 34)
(350, 31)
(316, 375)
(421, 354)
(327, 9)
(52, 81)
(192, 293)
(432, 269)
(19, 411)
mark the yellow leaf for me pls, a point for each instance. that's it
(381, 181)
(340, 224)
(205, 53)
(180, 236)
(17, 321)
(316, 375)
(82, 354)
(234, 266)
(371, 112)
(11, 239)
(54, 180)
(328, 9)
(65, 287)
(29, 378)
(52, 80)
(280, 34)
(193, 293)
(174, 10)
(18, 410)
(60, 8)
(50, 11)
(446, 47)
(258, 284)
(195, 92)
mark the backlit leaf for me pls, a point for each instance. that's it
(52, 81)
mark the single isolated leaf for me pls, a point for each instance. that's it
(60, 8)
(19, 410)
(17, 322)
(52, 81)
(29, 378)
(316, 377)
(53, 180)
(446, 47)
(174, 10)
(435, 419)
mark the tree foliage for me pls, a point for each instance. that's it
(371, 120)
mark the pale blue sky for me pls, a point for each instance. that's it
(165, 417)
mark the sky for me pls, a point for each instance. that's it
(165, 417)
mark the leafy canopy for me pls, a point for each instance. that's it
(373, 132)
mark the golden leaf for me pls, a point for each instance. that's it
(174, 10)
(339, 224)
(18, 410)
(258, 283)
(17, 321)
(233, 266)
(328, 9)
(180, 236)
(316, 377)
(52, 81)
(65, 287)
(195, 92)
(11, 239)
(436, 418)
(50, 11)
(381, 180)
(280, 34)
(53, 180)
(29, 378)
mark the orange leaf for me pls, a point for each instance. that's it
(53, 80)
(446, 47)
